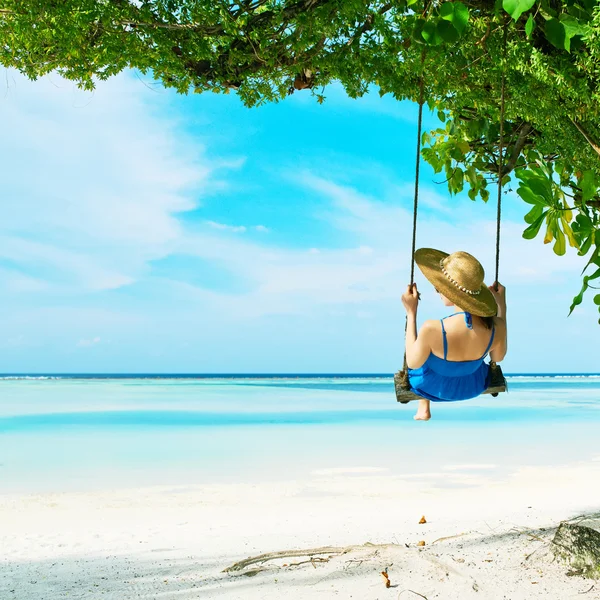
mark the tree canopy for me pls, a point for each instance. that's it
(457, 50)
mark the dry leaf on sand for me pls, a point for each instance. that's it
(386, 579)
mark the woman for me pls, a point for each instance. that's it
(446, 360)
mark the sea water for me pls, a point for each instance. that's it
(65, 433)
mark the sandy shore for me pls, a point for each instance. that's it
(484, 538)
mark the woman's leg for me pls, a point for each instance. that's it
(423, 412)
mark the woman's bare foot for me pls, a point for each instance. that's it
(422, 416)
(423, 412)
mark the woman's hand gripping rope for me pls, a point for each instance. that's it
(410, 299)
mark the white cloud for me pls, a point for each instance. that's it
(96, 179)
(85, 270)
(375, 267)
(88, 343)
(236, 228)
(223, 227)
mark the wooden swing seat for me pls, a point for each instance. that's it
(404, 394)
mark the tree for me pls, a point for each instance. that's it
(548, 51)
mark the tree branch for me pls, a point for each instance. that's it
(312, 552)
(511, 163)
(586, 135)
(246, 8)
(368, 24)
(262, 558)
(210, 30)
(212, 70)
(289, 12)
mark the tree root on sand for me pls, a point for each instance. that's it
(313, 555)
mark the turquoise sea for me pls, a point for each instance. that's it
(64, 433)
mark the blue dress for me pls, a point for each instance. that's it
(443, 380)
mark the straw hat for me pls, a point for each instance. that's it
(460, 277)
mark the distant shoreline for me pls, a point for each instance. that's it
(100, 376)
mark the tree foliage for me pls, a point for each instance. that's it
(548, 51)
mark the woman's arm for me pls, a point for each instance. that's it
(418, 347)
(501, 342)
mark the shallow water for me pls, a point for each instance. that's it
(71, 434)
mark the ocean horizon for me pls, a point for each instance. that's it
(225, 375)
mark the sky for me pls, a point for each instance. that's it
(145, 231)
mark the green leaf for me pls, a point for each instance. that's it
(417, 35)
(593, 276)
(549, 230)
(572, 26)
(471, 176)
(557, 35)
(540, 184)
(597, 299)
(579, 12)
(528, 195)
(569, 233)
(463, 146)
(457, 180)
(447, 31)
(515, 8)
(560, 246)
(579, 298)
(529, 26)
(588, 186)
(534, 228)
(431, 34)
(534, 214)
(583, 224)
(457, 13)
(594, 258)
(585, 247)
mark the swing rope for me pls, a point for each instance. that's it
(417, 170)
(404, 382)
(500, 157)
(416, 198)
(500, 165)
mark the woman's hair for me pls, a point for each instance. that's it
(488, 322)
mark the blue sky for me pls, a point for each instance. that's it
(142, 231)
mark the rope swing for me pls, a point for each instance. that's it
(497, 384)
(500, 156)
(417, 172)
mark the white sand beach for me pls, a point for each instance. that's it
(484, 537)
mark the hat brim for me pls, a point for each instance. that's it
(482, 304)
